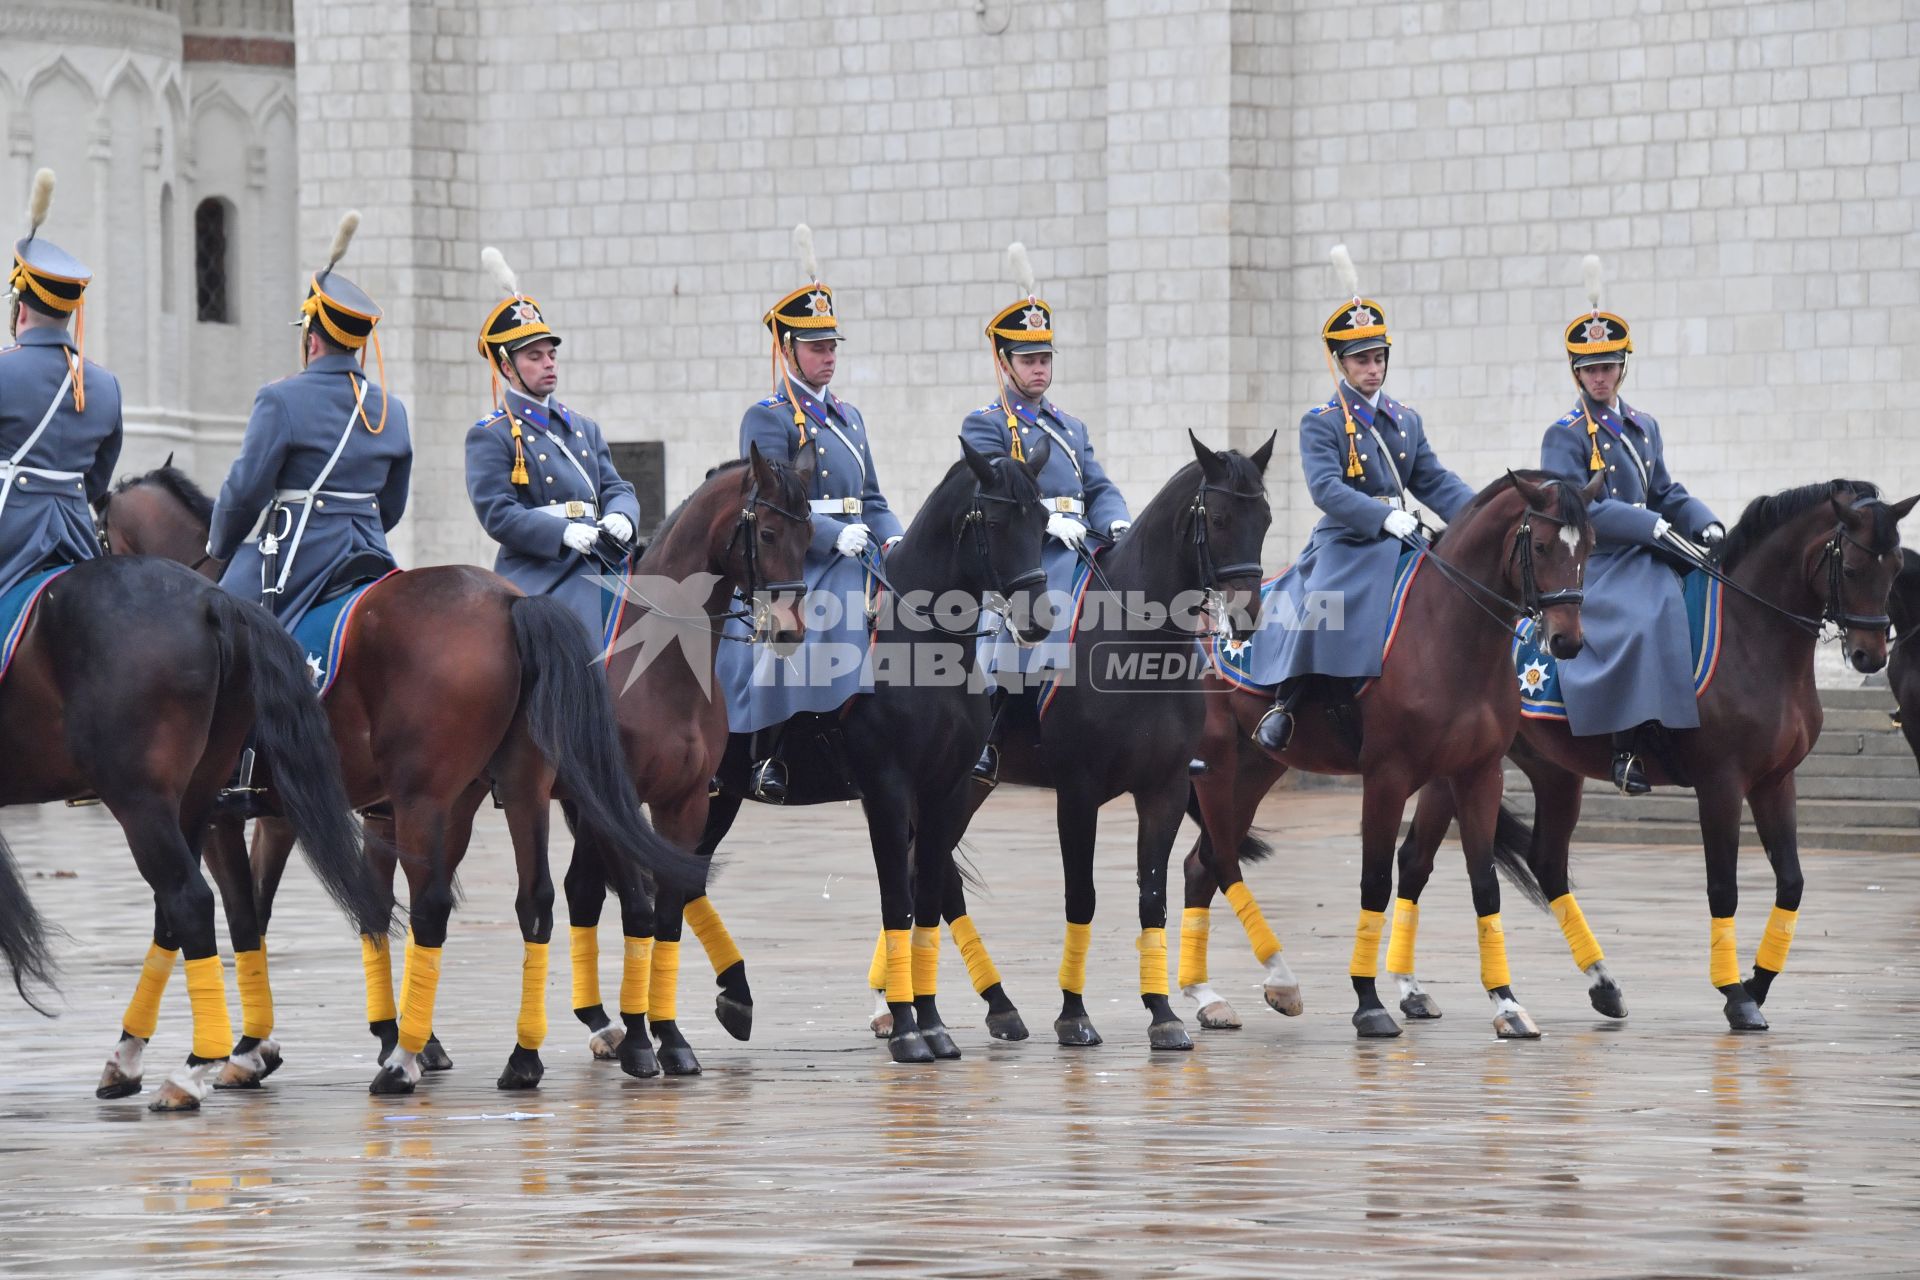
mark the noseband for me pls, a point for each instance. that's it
(745, 535)
(976, 521)
(1834, 557)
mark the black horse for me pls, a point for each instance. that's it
(908, 748)
(136, 681)
(1903, 662)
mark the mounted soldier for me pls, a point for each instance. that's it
(852, 524)
(1367, 460)
(539, 474)
(324, 465)
(1636, 672)
(59, 412)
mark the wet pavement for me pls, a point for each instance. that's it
(1662, 1146)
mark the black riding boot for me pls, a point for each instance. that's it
(1275, 729)
(1629, 774)
(767, 776)
(241, 798)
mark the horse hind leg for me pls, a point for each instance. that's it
(733, 1003)
(527, 815)
(1432, 815)
(1078, 820)
(256, 1054)
(123, 1074)
(1003, 1018)
(1477, 803)
(1773, 817)
(585, 885)
(1557, 795)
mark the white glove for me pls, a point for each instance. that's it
(1401, 524)
(1068, 530)
(580, 537)
(1118, 527)
(617, 525)
(852, 540)
(1660, 527)
(1713, 533)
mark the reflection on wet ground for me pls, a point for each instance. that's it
(1662, 1146)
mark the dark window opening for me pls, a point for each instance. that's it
(643, 464)
(210, 250)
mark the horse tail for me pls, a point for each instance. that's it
(291, 730)
(563, 693)
(1253, 848)
(23, 934)
(1512, 853)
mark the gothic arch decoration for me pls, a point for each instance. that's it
(56, 69)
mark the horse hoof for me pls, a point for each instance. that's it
(940, 1043)
(736, 1016)
(1284, 1000)
(523, 1070)
(1375, 1024)
(1169, 1035)
(881, 1024)
(172, 1097)
(909, 1046)
(1420, 1007)
(1515, 1024)
(114, 1084)
(604, 1044)
(247, 1069)
(1219, 1016)
(1609, 1001)
(390, 1082)
(1007, 1025)
(1076, 1032)
(1745, 1015)
(637, 1058)
(434, 1056)
(678, 1060)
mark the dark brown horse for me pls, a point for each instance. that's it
(1795, 561)
(1442, 711)
(136, 682)
(457, 684)
(1903, 660)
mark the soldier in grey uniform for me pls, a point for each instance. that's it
(1366, 458)
(540, 475)
(1636, 670)
(59, 412)
(323, 468)
(851, 523)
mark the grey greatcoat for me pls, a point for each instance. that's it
(48, 479)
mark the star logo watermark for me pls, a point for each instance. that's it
(668, 614)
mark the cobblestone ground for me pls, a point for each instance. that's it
(1661, 1146)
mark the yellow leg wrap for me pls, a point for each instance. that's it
(926, 960)
(1266, 943)
(143, 1011)
(531, 1031)
(1493, 954)
(1777, 939)
(980, 969)
(1073, 957)
(899, 986)
(583, 947)
(636, 976)
(416, 1006)
(256, 996)
(1152, 946)
(722, 952)
(1406, 927)
(663, 988)
(1573, 924)
(1366, 944)
(1195, 924)
(207, 993)
(1723, 953)
(376, 964)
(877, 971)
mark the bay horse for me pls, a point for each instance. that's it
(1903, 660)
(1796, 560)
(136, 682)
(1441, 712)
(1130, 717)
(743, 533)
(907, 748)
(458, 684)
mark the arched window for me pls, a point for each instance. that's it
(168, 304)
(212, 252)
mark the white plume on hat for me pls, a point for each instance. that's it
(803, 245)
(40, 201)
(342, 237)
(1021, 266)
(495, 263)
(1590, 269)
(1343, 264)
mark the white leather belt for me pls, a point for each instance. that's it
(571, 510)
(320, 497)
(1071, 506)
(10, 470)
(835, 506)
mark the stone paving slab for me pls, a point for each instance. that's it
(1665, 1146)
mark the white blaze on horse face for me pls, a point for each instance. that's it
(1570, 538)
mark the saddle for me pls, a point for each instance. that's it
(355, 571)
(812, 747)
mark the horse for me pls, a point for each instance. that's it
(1129, 718)
(1440, 714)
(136, 682)
(742, 534)
(907, 748)
(1903, 660)
(1796, 560)
(458, 683)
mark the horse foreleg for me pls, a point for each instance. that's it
(638, 924)
(1003, 1018)
(1432, 815)
(683, 824)
(942, 818)
(421, 831)
(1159, 813)
(1252, 780)
(586, 889)
(1476, 798)
(1773, 806)
(733, 1005)
(1720, 804)
(526, 793)
(122, 1075)
(888, 829)
(376, 951)
(1078, 819)
(256, 1055)
(272, 848)
(1384, 801)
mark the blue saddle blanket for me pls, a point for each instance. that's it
(16, 610)
(1539, 672)
(1235, 663)
(323, 634)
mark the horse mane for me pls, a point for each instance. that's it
(1767, 513)
(720, 469)
(176, 482)
(1573, 498)
(947, 493)
(1171, 501)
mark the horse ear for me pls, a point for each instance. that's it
(1536, 497)
(1038, 455)
(979, 463)
(756, 471)
(1210, 465)
(805, 465)
(169, 462)
(1843, 509)
(1596, 488)
(1902, 509)
(1264, 454)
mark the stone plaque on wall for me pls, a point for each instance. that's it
(643, 464)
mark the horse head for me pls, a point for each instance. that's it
(1551, 538)
(1006, 526)
(159, 513)
(765, 527)
(1861, 559)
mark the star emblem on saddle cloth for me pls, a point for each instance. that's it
(1359, 318)
(526, 313)
(1597, 331)
(1533, 677)
(1034, 318)
(821, 304)
(315, 672)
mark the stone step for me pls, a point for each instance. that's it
(1672, 807)
(1900, 782)
(1860, 766)
(1832, 743)
(1861, 720)
(1853, 839)
(1876, 698)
